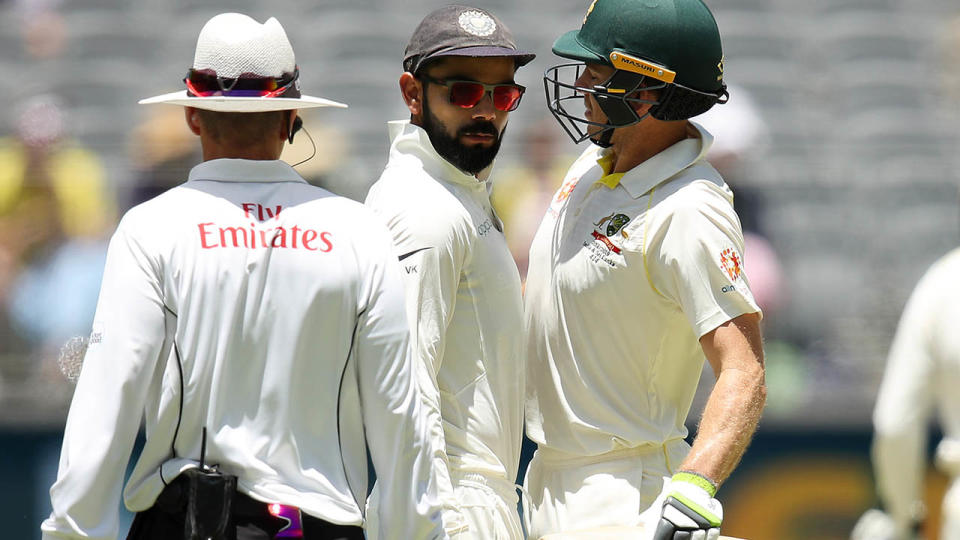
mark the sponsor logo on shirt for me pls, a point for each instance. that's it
(414, 252)
(730, 263)
(259, 234)
(96, 335)
(484, 227)
(411, 268)
(259, 212)
(565, 191)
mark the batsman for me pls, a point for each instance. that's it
(636, 275)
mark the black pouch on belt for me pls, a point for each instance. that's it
(210, 496)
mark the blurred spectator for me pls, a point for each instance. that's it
(921, 378)
(523, 191)
(163, 151)
(44, 32)
(318, 153)
(54, 211)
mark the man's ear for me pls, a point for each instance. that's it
(193, 120)
(291, 126)
(412, 91)
(642, 108)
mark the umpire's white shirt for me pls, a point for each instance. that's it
(463, 300)
(279, 347)
(627, 272)
(922, 377)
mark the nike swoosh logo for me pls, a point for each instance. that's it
(405, 255)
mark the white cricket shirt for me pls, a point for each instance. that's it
(627, 272)
(285, 306)
(463, 300)
(922, 374)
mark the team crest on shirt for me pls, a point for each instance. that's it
(614, 222)
(605, 242)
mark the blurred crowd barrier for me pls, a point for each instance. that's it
(839, 141)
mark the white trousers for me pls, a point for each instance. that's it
(488, 505)
(567, 493)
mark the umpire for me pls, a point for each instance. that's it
(258, 325)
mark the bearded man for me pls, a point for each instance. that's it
(463, 287)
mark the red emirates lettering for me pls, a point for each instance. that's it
(259, 212)
(213, 236)
(606, 241)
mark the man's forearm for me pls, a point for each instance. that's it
(728, 423)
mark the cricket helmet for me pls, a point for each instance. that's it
(670, 46)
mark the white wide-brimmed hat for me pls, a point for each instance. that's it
(243, 66)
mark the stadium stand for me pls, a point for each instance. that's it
(845, 86)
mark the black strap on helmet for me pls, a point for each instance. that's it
(680, 103)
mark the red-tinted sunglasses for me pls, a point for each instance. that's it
(206, 83)
(466, 94)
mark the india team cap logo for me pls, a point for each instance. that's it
(477, 23)
(458, 30)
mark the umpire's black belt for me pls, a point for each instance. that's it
(249, 518)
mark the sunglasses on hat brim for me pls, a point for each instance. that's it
(206, 83)
(466, 94)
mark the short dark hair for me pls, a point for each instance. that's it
(241, 129)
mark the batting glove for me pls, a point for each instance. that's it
(690, 512)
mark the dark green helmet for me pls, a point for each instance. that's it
(674, 42)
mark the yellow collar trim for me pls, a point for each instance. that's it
(611, 180)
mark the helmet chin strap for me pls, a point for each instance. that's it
(603, 140)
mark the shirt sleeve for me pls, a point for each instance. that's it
(432, 261)
(104, 418)
(904, 405)
(395, 422)
(694, 257)
(432, 252)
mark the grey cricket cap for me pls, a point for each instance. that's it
(461, 31)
